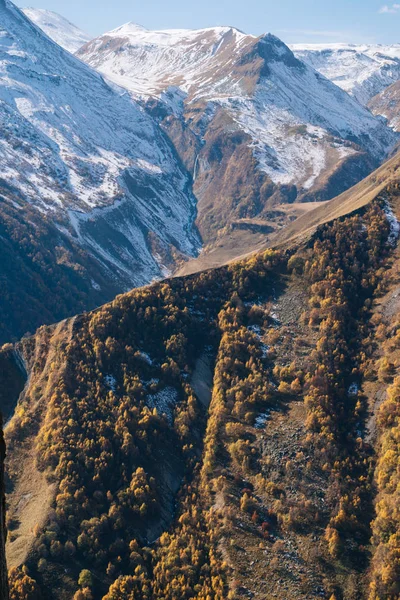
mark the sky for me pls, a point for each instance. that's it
(357, 21)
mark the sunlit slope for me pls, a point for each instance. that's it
(355, 198)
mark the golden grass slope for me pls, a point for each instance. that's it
(355, 198)
(239, 244)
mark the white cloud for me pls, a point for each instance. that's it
(391, 9)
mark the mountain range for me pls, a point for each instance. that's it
(255, 127)
(361, 70)
(161, 145)
(199, 376)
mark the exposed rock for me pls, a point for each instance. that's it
(387, 104)
(254, 125)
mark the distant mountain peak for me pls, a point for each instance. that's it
(362, 70)
(173, 36)
(58, 28)
(129, 27)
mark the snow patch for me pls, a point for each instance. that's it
(95, 285)
(262, 419)
(110, 382)
(146, 357)
(164, 401)
(153, 381)
(353, 389)
(394, 225)
(256, 329)
(147, 166)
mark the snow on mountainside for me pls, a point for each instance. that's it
(298, 122)
(361, 70)
(148, 62)
(387, 104)
(88, 157)
(58, 28)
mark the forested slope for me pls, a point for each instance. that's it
(140, 489)
(3, 564)
(45, 275)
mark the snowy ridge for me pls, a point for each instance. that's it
(361, 70)
(86, 154)
(58, 28)
(148, 62)
(301, 125)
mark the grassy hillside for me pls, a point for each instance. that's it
(299, 221)
(210, 436)
(385, 179)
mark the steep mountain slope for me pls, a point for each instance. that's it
(3, 564)
(140, 489)
(309, 217)
(361, 70)
(353, 200)
(255, 126)
(58, 28)
(108, 192)
(387, 104)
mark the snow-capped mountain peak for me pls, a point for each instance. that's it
(361, 70)
(170, 37)
(182, 58)
(58, 28)
(258, 81)
(86, 155)
(129, 28)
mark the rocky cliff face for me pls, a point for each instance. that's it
(3, 564)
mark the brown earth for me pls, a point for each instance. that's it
(302, 221)
(30, 495)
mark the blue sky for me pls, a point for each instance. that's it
(292, 20)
